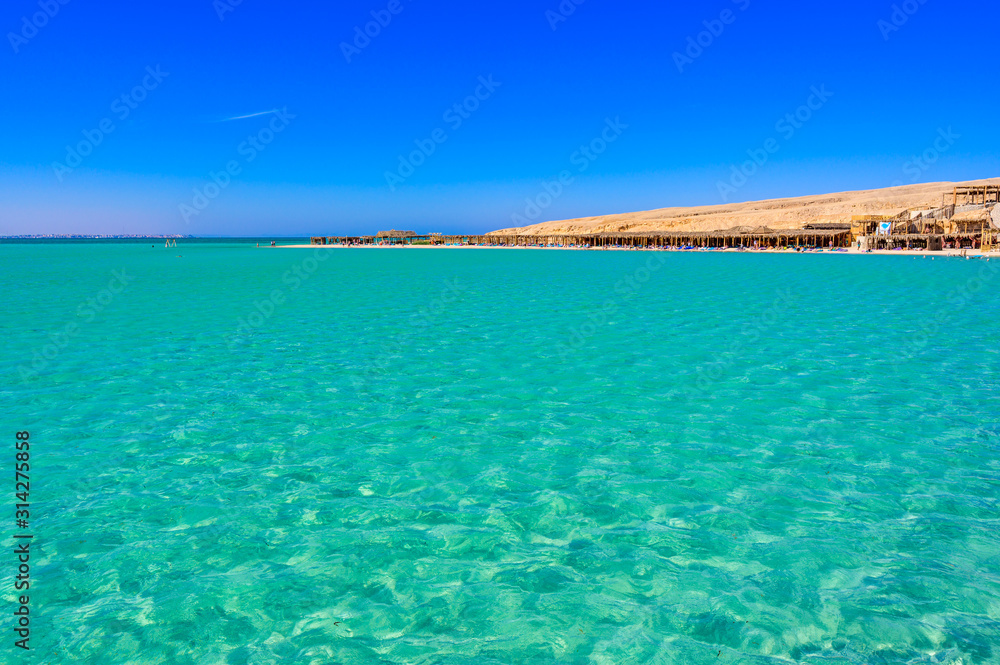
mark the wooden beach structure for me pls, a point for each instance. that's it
(381, 238)
(977, 194)
(819, 236)
(735, 238)
(395, 237)
(961, 225)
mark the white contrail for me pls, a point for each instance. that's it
(252, 115)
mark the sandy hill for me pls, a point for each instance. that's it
(776, 213)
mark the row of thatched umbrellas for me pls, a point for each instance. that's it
(739, 236)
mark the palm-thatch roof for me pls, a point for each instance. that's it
(756, 231)
(975, 216)
(827, 226)
(396, 234)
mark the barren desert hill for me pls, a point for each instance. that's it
(790, 213)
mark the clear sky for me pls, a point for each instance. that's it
(619, 98)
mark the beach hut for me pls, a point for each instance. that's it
(396, 234)
(395, 237)
(983, 194)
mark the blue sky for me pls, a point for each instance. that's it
(329, 123)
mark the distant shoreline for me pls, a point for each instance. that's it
(96, 237)
(950, 253)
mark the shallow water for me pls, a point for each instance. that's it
(498, 456)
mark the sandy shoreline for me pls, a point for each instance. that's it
(950, 253)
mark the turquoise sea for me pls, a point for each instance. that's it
(419, 456)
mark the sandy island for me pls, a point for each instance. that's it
(941, 219)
